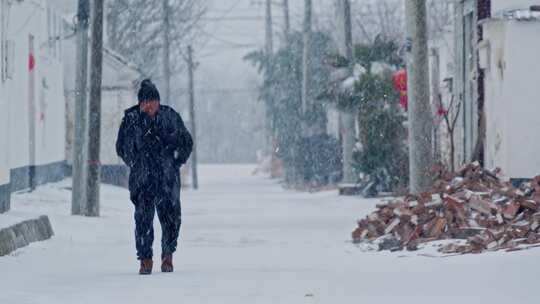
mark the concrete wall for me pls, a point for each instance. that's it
(32, 96)
(4, 125)
(37, 98)
(4, 155)
(444, 47)
(512, 107)
(117, 95)
(47, 89)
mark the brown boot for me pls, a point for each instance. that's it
(166, 263)
(146, 266)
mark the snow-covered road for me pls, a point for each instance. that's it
(245, 240)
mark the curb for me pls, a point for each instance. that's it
(24, 233)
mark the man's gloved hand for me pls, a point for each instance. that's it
(150, 134)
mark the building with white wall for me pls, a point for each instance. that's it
(32, 95)
(37, 87)
(495, 67)
(509, 57)
(120, 80)
(4, 135)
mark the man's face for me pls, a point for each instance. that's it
(150, 107)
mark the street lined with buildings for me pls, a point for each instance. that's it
(244, 239)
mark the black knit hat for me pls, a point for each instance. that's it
(148, 91)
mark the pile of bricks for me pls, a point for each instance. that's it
(473, 204)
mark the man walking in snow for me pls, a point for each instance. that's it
(154, 143)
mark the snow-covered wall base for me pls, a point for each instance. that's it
(32, 176)
(5, 193)
(24, 233)
(116, 175)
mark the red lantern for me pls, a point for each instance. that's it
(400, 84)
(400, 80)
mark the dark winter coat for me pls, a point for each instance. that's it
(154, 149)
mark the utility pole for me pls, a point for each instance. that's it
(269, 41)
(420, 118)
(269, 49)
(166, 52)
(287, 18)
(347, 117)
(436, 96)
(94, 166)
(306, 64)
(191, 88)
(292, 175)
(78, 193)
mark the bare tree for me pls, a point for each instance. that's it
(450, 115)
(385, 18)
(374, 18)
(138, 29)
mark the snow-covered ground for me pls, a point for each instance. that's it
(244, 240)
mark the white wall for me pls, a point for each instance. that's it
(31, 18)
(113, 102)
(113, 106)
(495, 156)
(512, 102)
(444, 44)
(4, 132)
(4, 125)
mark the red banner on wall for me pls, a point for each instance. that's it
(31, 62)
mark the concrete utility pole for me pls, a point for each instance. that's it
(94, 165)
(80, 133)
(287, 18)
(347, 117)
(269, 49)
(435, 102)
(306, 64)
(420, 118)
(191, 88)
(166, 52)
(269, 40)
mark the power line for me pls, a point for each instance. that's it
(218, 91)
(236, 18)
(233, 43)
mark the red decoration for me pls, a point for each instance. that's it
(400, 84)
(400, 80)
(31, 62)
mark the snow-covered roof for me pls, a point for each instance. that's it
(120, 59)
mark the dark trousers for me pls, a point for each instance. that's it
(169, 214)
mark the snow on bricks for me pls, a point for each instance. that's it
(24, 233)
(473, 205)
